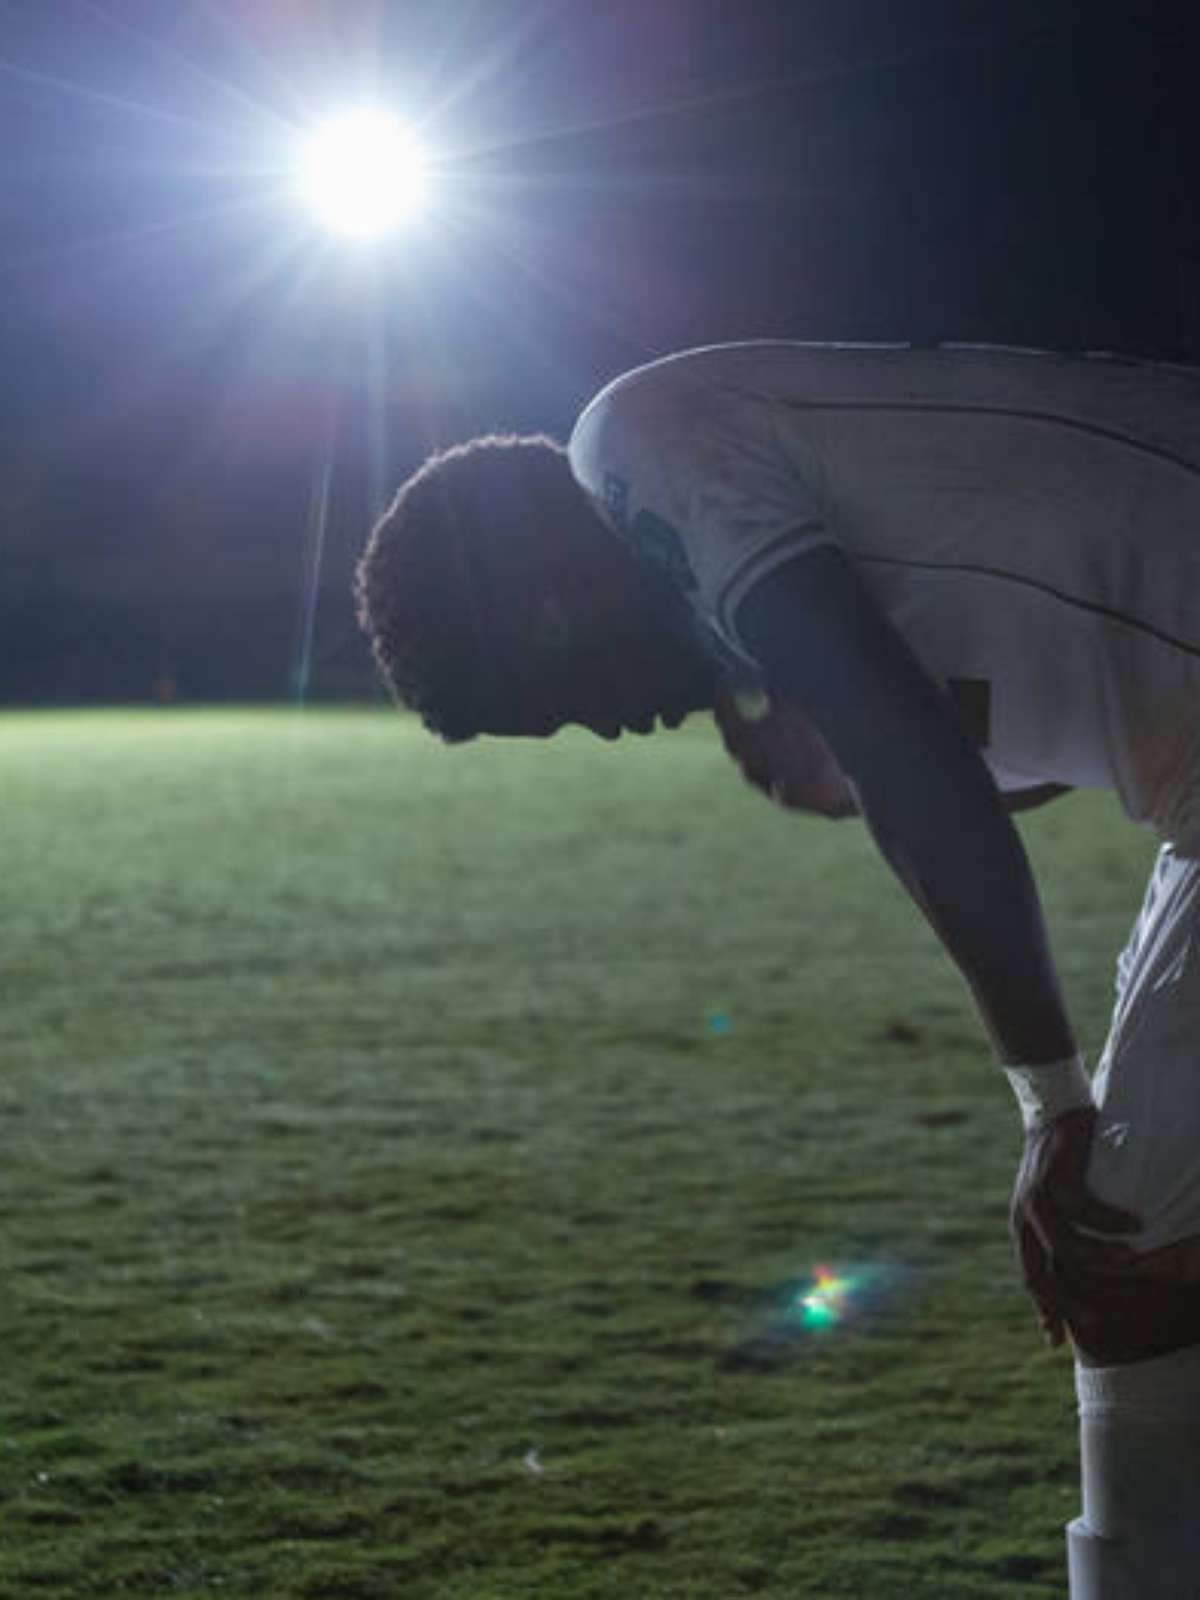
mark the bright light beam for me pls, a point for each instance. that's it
(362, 174)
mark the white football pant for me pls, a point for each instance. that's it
(1139, 1535)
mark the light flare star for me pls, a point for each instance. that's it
(362, 174)
(825, 1302)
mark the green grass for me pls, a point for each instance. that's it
(383, 1212)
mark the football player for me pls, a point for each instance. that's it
(924, 588)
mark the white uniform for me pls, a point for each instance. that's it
(1030, 522)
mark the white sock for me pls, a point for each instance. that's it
(1139, 1436)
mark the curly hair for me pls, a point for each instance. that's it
(461, 542)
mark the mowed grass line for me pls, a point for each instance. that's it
(408, 1154)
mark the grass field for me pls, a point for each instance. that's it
(410, 1157)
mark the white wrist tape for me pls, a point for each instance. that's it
(1046, 1092)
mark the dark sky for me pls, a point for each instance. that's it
(185, 355)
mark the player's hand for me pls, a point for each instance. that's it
(1059, 1228)
(781, 753)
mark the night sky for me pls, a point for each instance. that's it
(204, 396)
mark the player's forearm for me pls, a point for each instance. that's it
(825, 647)
(967, 871)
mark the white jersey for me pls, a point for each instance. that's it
(1030, 522)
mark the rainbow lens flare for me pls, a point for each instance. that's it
(830, 1299)
(825, 1302)
(805, 1311)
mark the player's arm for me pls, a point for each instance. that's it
(781, 753)
(826, 646)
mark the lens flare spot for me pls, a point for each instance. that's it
(826, 1300)
(362, 173)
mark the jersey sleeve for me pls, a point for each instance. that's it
(696, 480)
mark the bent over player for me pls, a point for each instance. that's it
(926, 587)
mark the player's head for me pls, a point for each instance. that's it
(497, 602)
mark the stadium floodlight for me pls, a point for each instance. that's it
(362, 173)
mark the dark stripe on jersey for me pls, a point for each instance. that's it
(1108, 612)
(972, 699)
(933, 408)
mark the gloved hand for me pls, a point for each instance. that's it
(1064, 1236)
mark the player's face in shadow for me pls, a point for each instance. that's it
(603, 651)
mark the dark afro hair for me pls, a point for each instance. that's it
(463, 541)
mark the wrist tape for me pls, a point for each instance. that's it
(1048, 1091)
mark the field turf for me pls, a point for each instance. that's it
(411, 1159)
